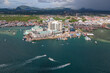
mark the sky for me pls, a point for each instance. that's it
(74, 4)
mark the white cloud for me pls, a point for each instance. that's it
(6, 2)
(75, 4)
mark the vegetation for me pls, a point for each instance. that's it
(18, 18)
(67, 17)
(83, 19)
(57, 18)
(73, 20)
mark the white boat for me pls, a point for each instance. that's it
(42, 45)
(14, 33)
(90, 34)
(33, 42)
(95, 42)
(87, 38)
(51, 59)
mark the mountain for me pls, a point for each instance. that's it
(23, 7)
(84, 9)
(52, 11)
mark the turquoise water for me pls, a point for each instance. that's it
(71, 56)
(102, 35)
(108, 25)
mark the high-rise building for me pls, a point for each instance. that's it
(55, 26)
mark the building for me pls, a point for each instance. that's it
(33, 29)
(55, 26)
(37, 28)
(37, 32)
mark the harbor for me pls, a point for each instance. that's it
(45, 55)
(54, 36)
(62, 36)
(54, 30)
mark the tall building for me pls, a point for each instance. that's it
(55, 26)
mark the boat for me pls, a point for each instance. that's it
(87, 38)
(5, 40)
(42, 45)
(20, 30)
(58, 38)
(95, 42)
(24, 39)
(51, 59)
(90, 34)
(33, 42)
(65, 38)
(9, 30)
(14, 33)
(62, 38)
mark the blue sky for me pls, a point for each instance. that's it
(75, 4)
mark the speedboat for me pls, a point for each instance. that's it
(51, 59)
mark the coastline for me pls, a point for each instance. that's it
(11, 34)
(30, 38)
(7, 32)
(102, 40)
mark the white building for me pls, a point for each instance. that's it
(55, 26)
(37, 28)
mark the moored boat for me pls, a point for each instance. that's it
(87, 38)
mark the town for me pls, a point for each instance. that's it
(55, 27)
(54, 36)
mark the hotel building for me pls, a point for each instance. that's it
(55, 26)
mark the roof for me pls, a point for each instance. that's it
(37, 27)
(44, 32)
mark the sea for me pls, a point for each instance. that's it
(75, 55)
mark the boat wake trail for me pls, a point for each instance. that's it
(32, 59)
(18, 65)
(58, 67)
(3, 65)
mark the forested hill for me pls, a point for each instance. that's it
(54, 11)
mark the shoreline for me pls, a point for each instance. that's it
(62, 37)
(47, 37)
